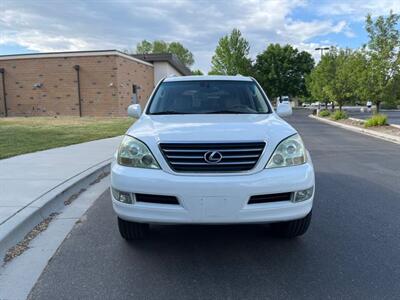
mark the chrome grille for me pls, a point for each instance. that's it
(191, 157)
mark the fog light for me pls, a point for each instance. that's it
(123, 197)
(304, 195)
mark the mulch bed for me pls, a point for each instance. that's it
(383, 129)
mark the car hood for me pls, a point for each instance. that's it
(211, 128)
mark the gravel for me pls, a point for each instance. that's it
(23, 245)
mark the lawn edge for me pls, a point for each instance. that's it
(62, 146)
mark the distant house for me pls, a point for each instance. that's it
(86, 83)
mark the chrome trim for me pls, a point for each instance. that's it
(253, 170)
(256, 169)
(219, 164)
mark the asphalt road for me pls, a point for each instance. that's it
(352, 249)
(393, 116)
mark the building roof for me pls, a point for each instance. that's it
(172, 59)
(208, 77)
(74, 54)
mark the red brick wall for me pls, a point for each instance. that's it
(106, 85)
(129, 73)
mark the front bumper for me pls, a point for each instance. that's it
(218, 199)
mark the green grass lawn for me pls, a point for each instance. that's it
(23, 135)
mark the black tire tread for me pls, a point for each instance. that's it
(291, 229)
(131, 230)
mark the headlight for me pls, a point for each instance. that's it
(133, 153)
(290, 152)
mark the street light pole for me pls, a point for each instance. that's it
(322, 49)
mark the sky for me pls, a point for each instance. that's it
(28, 26)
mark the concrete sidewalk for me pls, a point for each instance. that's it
(27, 182)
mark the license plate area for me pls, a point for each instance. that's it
(216, 207)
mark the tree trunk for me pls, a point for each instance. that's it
(333, 106)
(378, 104)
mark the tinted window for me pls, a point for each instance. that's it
(208, 97)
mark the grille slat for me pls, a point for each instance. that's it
(216, 149)
(202, 157)
(221, 163)
(190, 157)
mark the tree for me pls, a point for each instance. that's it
(282, 70)
(372, 73)
(181, 52)
(159, 46)
(231, 55)
(321, 76)
(342, 89)
(144, 47)
(197, 72)
(383, 58)
(336, 77)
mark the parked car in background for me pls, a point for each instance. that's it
(211, 150)
(369, 106)
(283, 99)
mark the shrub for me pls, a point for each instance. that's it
(388, 105)
(324, 113)
(376, 120)
(339, 115)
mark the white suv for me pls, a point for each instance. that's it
(211, 150)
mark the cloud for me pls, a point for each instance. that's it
(87, 25)
(358, 9)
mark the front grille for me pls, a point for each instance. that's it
(191, 157)
(270, 198)
(156, 199)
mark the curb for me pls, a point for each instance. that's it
(15, 229)
(362, 120)
(372, 133)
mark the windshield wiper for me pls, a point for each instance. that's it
(168, 112)
(227, 112)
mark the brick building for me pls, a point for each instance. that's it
(87, 83)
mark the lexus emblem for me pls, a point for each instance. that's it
(212, 157)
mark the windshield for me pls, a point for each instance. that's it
(208, 97)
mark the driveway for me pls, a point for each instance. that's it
(351, 250)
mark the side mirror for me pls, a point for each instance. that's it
(284, 110)
(134, 111)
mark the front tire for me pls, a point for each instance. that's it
(291, 229)
(131, 230)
